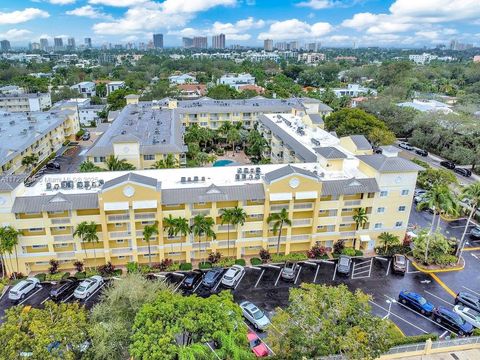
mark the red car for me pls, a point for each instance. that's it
(258, 347)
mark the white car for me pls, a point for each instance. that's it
(233, 275)
(467, 314)
(21, 289)
(88, 286)
(256, 316)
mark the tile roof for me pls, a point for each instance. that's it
(57, 202)
(316, 118)
(286, 171)
(361, 142)
(330, 152)
(349, 186)
(10, 182)
(385, 164)
(132, 177)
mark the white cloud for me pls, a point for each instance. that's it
(317, 4)
(433, 11)
(185, 7)
(16, 34)
(20, 16)
(90, 12)
(295, 29)
(117, 3)
(61, 2)
(361, 21)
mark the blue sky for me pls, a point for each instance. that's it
(397, 23)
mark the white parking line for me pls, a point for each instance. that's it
(243, 275)
(443, 334)
(298, 274)
(398, 316)
(476, 293)
(68, 298)
(411, 272)
(178, 286)
(260, 277)
(218, 284)
(438, 297)
(278, 278)
(101, 286)
(44, 301)
(335, 272)
(316, 273)
(198, 285)
(21, 302)
(274, 266)
(353, 270)
(388, 267)
(253, 331)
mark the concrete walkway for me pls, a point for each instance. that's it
(448, 355)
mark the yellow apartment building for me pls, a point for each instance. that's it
(320, 196)
(39, 133)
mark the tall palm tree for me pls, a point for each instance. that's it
(87, 232)
(169, 224)
(472, 193)
(148, 232)
(239, 217)
(278, 220)
(361, 218)
(226, 217)
(9, 241)
(182, 226)
(88, 166)
(197, 227)
(30, 160)
(233, 136)
(388, 239)
(115, 164)
(80, 231)
(169, 162)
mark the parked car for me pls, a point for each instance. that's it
(416, 301)
(418, 192)
(419, 198)
(22, 288)
(467, 299)
(191, 279)
(475, 233)
(448, 164)
(258, 346)
(344, 264)
(452, 321)
(254, 315)
(86, 136)
(469, 315)
(405, 146)
(233, 275)
(289, 271)
(421, 152)
(88, 286)
(463, 172)
(211, 277)
(53, 165)
(63, 288)
(399, 264)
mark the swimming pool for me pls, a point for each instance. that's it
(222, 163)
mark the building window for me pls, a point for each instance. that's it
(121, 257)
(401, 208)
(120, 241)
(378, 226)
(118, 225)
(405, 192)
(39, 246)
(380, 210)
(35, 229)
(383, 193)
(149, 157)
(398, 224)
(99, 159)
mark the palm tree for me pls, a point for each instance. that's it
(472, 193)
(239, 217)
(203, 226)
(148, 232)
(80, 231)
(88, 166)
(9, 242)
(227, 218)
(169, 162)
(233, 136)
(87, 232)
(115, 164)
(182, 226)
(441, 200)
(30, 160)
(361, 218)
(388, 239)
(278, 220)
(169, 224)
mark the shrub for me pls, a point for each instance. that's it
(349, 252)
(16, 275)
(80, 133)
(391, 250)
(66, 142)
(358, 253)
(42, 277)
(186, 266)
(445, 260)
(118, 272)
(264, 255)
(80, 275)
(317, 252)
(225, 262)
(65, 275)
(338, 247)
(78, 266)
(289, 257)
(132, 267)
(54, 264)
(92, 272)
(162, 265)
(54, 277)
(240, 262)
(415, 339)
(476, 332)
(205, 265)
(214, 257)
(173, 267)
(220, 152)
(106, 270)
(255, 261)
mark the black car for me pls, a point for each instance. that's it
(463, 172)
(63, 288)
(211, 277)
(469, 300)
(452, 321)
(53, 165)
(421, 152)
(191, 279)
(448, 164)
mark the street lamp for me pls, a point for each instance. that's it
(389, 302)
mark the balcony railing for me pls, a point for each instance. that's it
(301, 222)
(66, 254)
(278, 207)
(274, 239)
(299, 238)
(118, 217)
(60, 221)
(303, 206)
(352, 202)
(121, 251)
(62, 238)
(119, 234)
(347, 219)
(145, 216)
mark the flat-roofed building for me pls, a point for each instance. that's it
(114, 85)
(85, 88)
(25, 102)
(321, 198)
(141, 134)
(35, 133)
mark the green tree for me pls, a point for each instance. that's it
(148, 232)
(30, 160)
(388, 239)
(222, 92)
(360, 217)
(87, 232)
(279, 220)
(113, 317)
(202, 225)
(168, 326)
(169, 162)
(88, 166)
(116, 99)
(8, 244)
(472, 194)
(234, 216)
(431, 177)
(433, 247)
(379, 136)
(59, 331)
(233, 137)
(323, 320)
(169, 224)
(115, 164)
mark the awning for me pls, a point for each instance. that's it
(365, 238)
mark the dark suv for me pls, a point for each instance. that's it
(452, 321)
(448, 164)
(211, 277)
(468, 300)
(63, 288)
(463, 172)
(421, 152)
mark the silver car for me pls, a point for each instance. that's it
(233, 275)
(254, 315)
(21, 289)
(88, 286)
(344, 264)
(289, 270)
(467, 314)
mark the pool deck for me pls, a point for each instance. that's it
(239, 157)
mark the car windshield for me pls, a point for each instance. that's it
(422, 300)
(344, 261)
(400, 260)
(81, 288)
(255, 342)
(257, 314)
(459, 320)
(227, 277)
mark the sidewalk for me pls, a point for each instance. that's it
(448, 355)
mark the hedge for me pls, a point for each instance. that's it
(80, 275)
(66, 275)
(54, 277)
(186, 266)
(118, 272)
(255, 261)
(205, 265)
(240, 262)
(415, 339)
(289, 257)
(42, 277)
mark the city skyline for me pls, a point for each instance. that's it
(398, 23)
